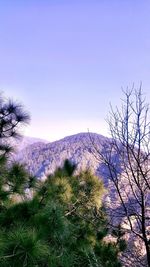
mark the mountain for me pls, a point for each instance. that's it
(42, 158)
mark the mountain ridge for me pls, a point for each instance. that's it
(42, 158)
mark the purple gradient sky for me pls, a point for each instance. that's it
(66, 60)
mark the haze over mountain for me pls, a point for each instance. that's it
(24, 141)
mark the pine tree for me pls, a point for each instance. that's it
(63, 225)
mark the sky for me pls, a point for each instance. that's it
(66, 60)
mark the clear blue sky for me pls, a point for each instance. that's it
(66, 60)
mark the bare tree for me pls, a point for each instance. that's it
(127, 160)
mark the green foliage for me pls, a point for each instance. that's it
(64, 225)
(22, 247)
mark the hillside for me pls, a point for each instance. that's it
(42, 158)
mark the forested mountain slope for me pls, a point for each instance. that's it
(43, 158)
